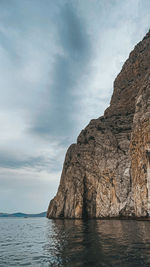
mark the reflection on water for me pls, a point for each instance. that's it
(43, 242)
(100, 243)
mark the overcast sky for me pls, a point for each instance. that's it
(58, 61)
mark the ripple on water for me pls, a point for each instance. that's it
(43, 242)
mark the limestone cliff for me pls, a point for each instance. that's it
(107, 172)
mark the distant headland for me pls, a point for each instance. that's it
(22, 215)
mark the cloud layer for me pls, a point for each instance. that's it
(58, 61)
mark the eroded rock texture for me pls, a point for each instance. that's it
(107, 173)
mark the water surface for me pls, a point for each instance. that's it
(43, 242)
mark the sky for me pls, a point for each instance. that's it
(58, 62)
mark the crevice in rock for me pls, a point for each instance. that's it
(84, 208)
(119, 148)
(62, 214)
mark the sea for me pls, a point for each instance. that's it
(44, 242)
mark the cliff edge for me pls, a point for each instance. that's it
(107, 172)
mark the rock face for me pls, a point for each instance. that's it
(107, 172)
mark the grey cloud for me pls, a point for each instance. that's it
(73, 33)
(8, 160)
(12, 161)
(6, 44)
(56, 117)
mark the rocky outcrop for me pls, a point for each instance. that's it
(107, 172)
